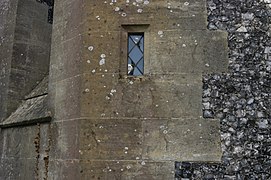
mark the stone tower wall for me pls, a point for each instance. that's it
(25, 42)
(109, 125)
(25, 51)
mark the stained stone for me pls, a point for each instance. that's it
(107, 124)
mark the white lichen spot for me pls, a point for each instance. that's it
(103, 56)
(98, 18)
(137, 158)
(184, 45)
(88, 61)
(146, 2)
(207, 65)
(186, 3)
(86, 90)
(102, 62)
(161, 33)
(126, 148)
(117, 9)
(143, 163)
(140, 10)
(90, 48)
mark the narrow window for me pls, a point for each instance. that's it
(135, 54)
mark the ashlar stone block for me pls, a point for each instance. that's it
(185, 139)
(127, 170)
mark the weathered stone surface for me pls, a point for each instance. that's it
(32, 111)
(41, 89)
(153, 96)
(155, 140)
(117, 117)
(127, 170)
(23, 152)
(26, 41)
(8, 19)
(66, 59)
(182, 140)
(188, 52)
(67, 98)
(24, 61)
(107, 125)
(111, 139)
(64, 169)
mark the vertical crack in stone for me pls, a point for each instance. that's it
(194, 52)
(46, 157)
(165, 136)
(37, 148)
(93, 134)
(166, 141)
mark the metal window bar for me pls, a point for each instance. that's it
(135, 54)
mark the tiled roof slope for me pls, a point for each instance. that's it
(33, 110)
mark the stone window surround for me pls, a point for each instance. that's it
(134, 28)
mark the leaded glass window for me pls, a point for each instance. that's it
(135, 54)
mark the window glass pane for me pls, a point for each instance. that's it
(135, 54)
